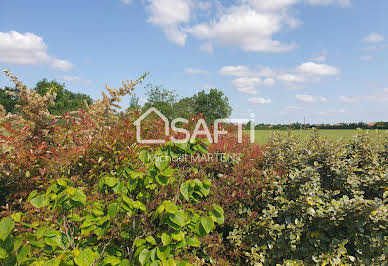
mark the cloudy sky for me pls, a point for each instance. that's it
(280, 59)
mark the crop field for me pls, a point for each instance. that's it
(261, 136)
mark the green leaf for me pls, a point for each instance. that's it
(163, 252)
(170, 262)
(202, 148)
(70, 191)
(51, 233)
(17, 216)
(162, 180)
(32, 195)
(62, 182)
(131, 184)
(138, 242)
(207, 224)
(39, 201)
(217, 214)
(139, 205)
(52, 262)
(166, 239)
(39, 233)
(159, 210)
(193, 241)
(167, 172)
(170, 206)
(143, 156)
(113, 209)
(178, 218)
(79, 196)
(6, 226)
(23, 253)
(144, 256)
(162, 164)
(185, 190)
(178, 236)
(183, 263)
(124, 263)
(111, 181)
(3, 253)
(86, 257)
(112, 260)
(184, 146)
(151, 240)
(55, 241)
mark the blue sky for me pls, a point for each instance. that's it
(280, 59)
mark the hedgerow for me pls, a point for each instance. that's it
(78, 190)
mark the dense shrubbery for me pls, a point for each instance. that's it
(328, 207)
(78, 190)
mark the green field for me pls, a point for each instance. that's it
(261, 136)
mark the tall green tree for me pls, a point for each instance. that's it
(184, 108)
(213, 105)
(162, 99)
(65, 100)
(8, 101)
(134, 103)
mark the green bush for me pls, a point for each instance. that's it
(131, 216)
(328, 207)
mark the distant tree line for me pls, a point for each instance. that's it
(65, 99)
(362, 125)
(213, 104)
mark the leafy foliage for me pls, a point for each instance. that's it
(79, 190)
(328, 205)
(213, 105)
(65, 100)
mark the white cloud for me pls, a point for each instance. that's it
(126, 2)
(346, 99)
(237, 71)
(196, 71)
(247, 85)
(269, 82)
(309, 98)
(311, 68)
(70, 78)
(248, 26)
(308, 72)
(320, 59)
(336, 111)
(295, 108)
(207, 47)
(249, 80)
(259, 100)
(380, 97)
(169, 14)
(373, 38)
(291, 78)
(366, 58)
(27, 49)
(343, 3)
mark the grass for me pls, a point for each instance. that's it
(261, 136)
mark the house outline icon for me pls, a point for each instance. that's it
(137, 123)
